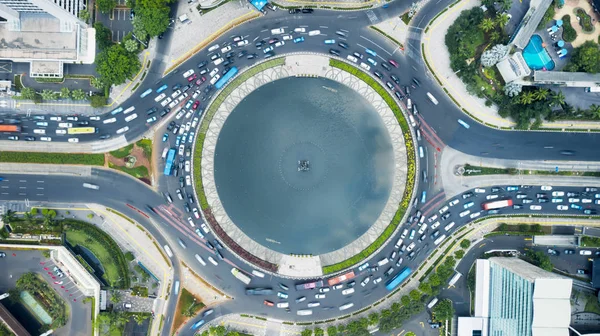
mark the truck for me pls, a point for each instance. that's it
(240, 275)
(496, 204)
(309, 285)
(340, 278)
(10, 128)
(259, 291)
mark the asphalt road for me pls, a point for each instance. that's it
(441, 118)
(117, 191)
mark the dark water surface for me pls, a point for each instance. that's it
(350, 165)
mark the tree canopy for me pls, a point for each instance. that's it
(115, 65)
(586, 58)
(155, 20)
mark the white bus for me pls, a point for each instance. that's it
(454, 279)
(432, 303)
(304, 312)
(432, 98)
(176, 287)
(240, 276)
(168, 250)
(439, 240)
(91, 186)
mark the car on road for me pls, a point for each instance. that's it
(197, 215)
(348, 291)
(300, 299)
(585, 252)
(377, 280)
(535, 207)
(282, 295)
(366, 281)
(324, 290)
(562, 207)
(319, 296)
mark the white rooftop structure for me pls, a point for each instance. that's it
(513, 67)
(45, 33)
(513, 297)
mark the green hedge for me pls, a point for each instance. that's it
(410, 183)
(53, 158)
(569, 33)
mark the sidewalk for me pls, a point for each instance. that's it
(438, 61)
(327, 4)
(455, 184)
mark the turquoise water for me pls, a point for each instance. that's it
(536, 56)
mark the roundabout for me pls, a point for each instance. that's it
(303, 164)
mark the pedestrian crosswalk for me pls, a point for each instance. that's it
(372, 16)
(13, 206)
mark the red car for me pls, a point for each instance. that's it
(394, 63)
(201, 80)
(196, 103)
(268, 303)
(192, 77)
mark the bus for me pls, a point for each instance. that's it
(398, 279)
(91, 186)
(10, 128)
(309, 285)
(341, 278)
(240, 276)
(592, 89)
(464, 124)
(432, 98)
(439, 240)
(170, 160)
(259, 291)
(432, 303)
(168, 250)
(226, 77)
(496, 204)
(146, 93)
(117, 110)
(82, 130)
(176, 287)
(454, 279)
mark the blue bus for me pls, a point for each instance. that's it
(162, 88)
(170, 160)
(226, 77)
(146, 93)
(464, 124)
(117, 110)
(398, 279)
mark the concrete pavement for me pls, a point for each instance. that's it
(438, 61)
(455, 184)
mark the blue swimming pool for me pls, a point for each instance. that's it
(536, 55)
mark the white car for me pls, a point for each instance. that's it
(215, 79)
(179, 115)
(196, 214)
(404, 233)
(279, 44)
(187, 166)
(242, 43)
(411, 247)
(73, 140)
(204, 228)
(336, 287)
(585, 252)
(464, 213)
(123, 130)
(287, 37)
(191, 222)
(453, 203)
(300, 30)
(188, 125)
(181, 149)
(480, 190)
(283, 305)
(573, 200)
(188, 180)
(212, 260)
(558, 193)
(277, 31)
(195, 122)
(324, 290)
(562, 207)
(313, 304)
(352, 58)
(188, 73)
(214, 72)
(475, 214)
(491, 197)
(61, 131)
(444, 209)
(225, 49)
(546, 188)
(175, 94)
(586, 200)
(320, 296)
(435, 225)
(46, 139)
(535, 207)
(348, 291)
(365, 281)
(131, 117)
(376, 281)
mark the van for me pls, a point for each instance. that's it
(421, 153)
(352, 58)
(383, 261)
(278, 31)
(314, 32)
(164, 153)
(398, 243)
(39, 131)
(213, 48)
(412, 120)
(258, 274)
(409, 104)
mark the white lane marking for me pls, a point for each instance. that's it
(40, 188)
(324, 27)
(256, 38)
(40, 181)
(22, 181)
(22, 187)
(22, 194)
(380, 47)
(4, 187)
(39, 194)
(4, 193)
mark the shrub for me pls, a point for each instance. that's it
(53, 158)
(98, 101)
(569, 33)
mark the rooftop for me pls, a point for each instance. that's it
(537, 9)
(572, 79)
(11, 322)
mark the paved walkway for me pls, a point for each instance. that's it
(436, 54)
(454, 184)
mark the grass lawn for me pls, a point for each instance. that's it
(53, 158)
(122, 152)
(106, 257)
(186, 307)
(591, 305)
(146, 145)
(137, 172)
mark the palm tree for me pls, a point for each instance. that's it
(540, 94)
(494, 36)
(139, 319)
(8, 216)
(48, 219)
(28, 217)
(502, 20)
(115, 297)
(558, 99)
(595, 111)
(487, 24)
(526, 98)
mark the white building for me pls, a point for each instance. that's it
(45, 33)
(513, 297)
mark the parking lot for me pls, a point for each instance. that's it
(118, 21)
(17, 263)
